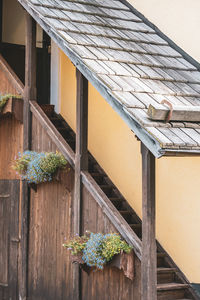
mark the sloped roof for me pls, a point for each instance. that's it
(128, 62)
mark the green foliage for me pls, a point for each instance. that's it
(98, 249)
(77, 244)
(52, 161)
(39, 167)
(113, 245)
(5, 98)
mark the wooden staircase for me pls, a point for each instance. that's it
(171, 282)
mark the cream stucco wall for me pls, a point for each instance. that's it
(178, 19)
(118, 152)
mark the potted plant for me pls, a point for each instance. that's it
(39, 167)
(95, 250)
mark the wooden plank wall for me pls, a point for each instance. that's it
(11, 134)
(50, 224)
(9, 238)
(109, 284)
(6, 86)
(50, 268)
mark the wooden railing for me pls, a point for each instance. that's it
(112, 213)
(108, 208)
(57, 138)
(9, 83)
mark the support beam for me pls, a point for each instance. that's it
(81, 164)
(149, 253)
(29, 94)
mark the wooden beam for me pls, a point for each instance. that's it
(81, 156)
(81, 164)
(149, 253)
(178, 113)
(29, 94)
(53, 133)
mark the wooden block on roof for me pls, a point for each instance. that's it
(179, 113)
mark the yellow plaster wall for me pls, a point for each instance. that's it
(118, 152)
(178, 19)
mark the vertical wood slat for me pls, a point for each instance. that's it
(81, 156)
(149, 255)
(81, 163)
(29, 94)
(14, 238)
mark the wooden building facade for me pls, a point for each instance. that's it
(35, 222)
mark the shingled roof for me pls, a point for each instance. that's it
(129, 64)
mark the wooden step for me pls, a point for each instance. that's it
(127, 216)
(137, 228)
(117, 202)
(172, 286)
(99, 178)
(172, 291)
(161, 260)
(164, 270)
(166, 275)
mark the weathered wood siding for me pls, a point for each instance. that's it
(6, 86)
(51, 219)
(9, 83)
(11, 134)
(109, 284)
(50, 224)
(9, 238)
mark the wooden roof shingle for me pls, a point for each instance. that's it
(128, 62)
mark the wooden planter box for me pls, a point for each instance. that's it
(62, 175)
(122, 261)
(14, 106)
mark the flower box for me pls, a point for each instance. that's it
(15, 107)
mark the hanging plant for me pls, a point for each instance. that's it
(4, 99)
(39, 167)
(97, 249)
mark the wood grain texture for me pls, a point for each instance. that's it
(179, 113)
(112, 213)
(52, 132)
(81, 163)
(149, 253)
(109, 284)
(11, 135)
(50, 270)
(29, 94)
(9, 83)
(14, 106)
(9, 238)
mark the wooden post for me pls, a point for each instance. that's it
(81, 163)
(149, 253)
(29, 94)
(46, 42)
